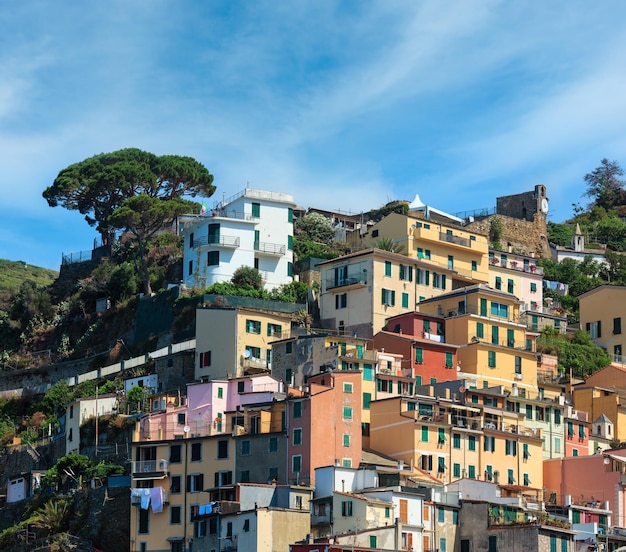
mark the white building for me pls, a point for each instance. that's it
(149, 381)
(253, 228)
(79, 411)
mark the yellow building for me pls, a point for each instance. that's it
(601, 312)
(494, 347)
(233, 341)
(598, 401)
(442, 245)
(170, 481)
(361, 290)
(451, 440)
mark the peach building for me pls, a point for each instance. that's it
(595, 481)
(323, 423)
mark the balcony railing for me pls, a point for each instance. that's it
(554, 311)
(174, 430)
(150, 467)
(232, 214)
(451, 238)
(229, 544)
(323, 520)
(266, 248)
(253, 362)
(217, 241)
(516, 265)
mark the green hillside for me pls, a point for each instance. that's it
(13, 273)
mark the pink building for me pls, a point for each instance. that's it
(203, 411)
(594, 485)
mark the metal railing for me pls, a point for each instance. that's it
(221, 240)
(150, 466)
(451, 238)
(269, 248)
(76, 257)
(232, 214)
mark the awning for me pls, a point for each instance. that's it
(495, 411)
(175, 539)
(150, 478)
(616, 458)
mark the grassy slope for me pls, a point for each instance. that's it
(13, 273)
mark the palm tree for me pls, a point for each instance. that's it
(387, 244)
(53, 515)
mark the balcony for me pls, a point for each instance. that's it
(229, 544)
(217, 507)
(270, 249)
(150, 469)
(547, 376)
(231, 242)
(552, 311)
(451, 238)
(323, 520)
(252, 363)
(232, 214)
(516, 265)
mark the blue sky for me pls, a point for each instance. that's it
(344, 104)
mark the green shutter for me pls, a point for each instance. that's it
(367, 398)
(495, 335)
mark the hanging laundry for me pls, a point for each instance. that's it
(156, 496)
(145, 499)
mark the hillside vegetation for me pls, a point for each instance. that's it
(14, 273)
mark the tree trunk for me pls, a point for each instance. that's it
(144, 274)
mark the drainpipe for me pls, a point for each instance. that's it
(398, 534)
(184, 482)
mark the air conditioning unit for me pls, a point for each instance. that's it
(518, 376)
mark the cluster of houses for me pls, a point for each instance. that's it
(420, 416)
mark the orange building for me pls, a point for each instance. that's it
(323, 422)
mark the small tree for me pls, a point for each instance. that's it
(247, 276)
(137, 395)
(53, 515)
(605, 186)
(496, 229)
(315, 227)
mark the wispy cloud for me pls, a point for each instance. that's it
(346, 105)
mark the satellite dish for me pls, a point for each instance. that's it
(186, 429)
(246, 353)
